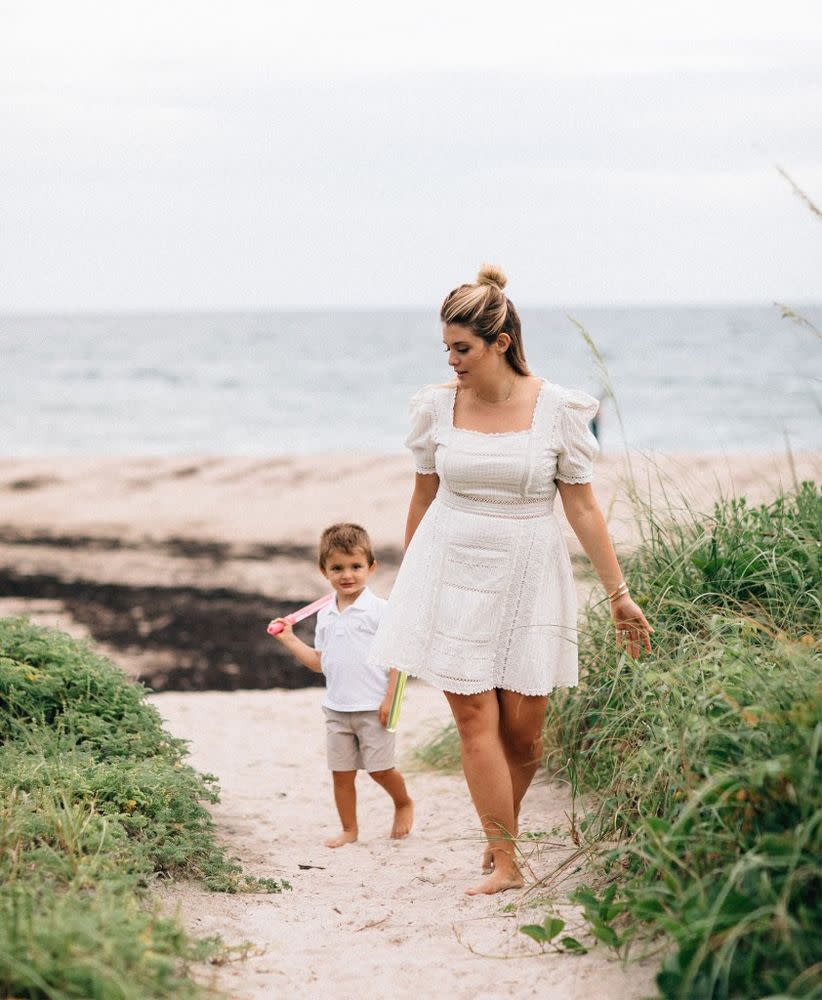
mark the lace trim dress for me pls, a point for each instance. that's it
(485, 596)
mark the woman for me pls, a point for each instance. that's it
(484, 604)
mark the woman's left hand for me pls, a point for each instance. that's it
(633, 633)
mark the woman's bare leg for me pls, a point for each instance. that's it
(521, 720)
(489, 781)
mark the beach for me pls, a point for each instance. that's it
(378, 918)
(173, 566)
(241, 245)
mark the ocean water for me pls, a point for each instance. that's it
(685, 379)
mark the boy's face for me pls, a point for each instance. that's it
(347, 572)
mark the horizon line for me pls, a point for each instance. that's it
(137, 311)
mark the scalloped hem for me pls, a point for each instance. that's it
(438, 683)
(575, 480)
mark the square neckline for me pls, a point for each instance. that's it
(527, 430)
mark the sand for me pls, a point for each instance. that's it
(173, 566)
(379, 918)
(285, 501)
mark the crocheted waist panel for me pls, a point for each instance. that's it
(517, 507)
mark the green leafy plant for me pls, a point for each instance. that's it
(545, 934)
(703, 762)
(96, 801)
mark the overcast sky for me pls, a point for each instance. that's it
(195, 155)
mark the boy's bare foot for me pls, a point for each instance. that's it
(346, 837)
(498, 881)
(403, 821)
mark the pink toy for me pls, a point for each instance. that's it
(274, 628)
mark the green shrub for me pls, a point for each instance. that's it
(704, 759)
(96, 800)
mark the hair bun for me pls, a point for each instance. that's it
(490, 274)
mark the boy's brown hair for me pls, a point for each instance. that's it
(346, 538)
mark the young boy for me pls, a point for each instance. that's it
(358, 697)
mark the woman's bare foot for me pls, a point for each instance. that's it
(488, 854)
(403, 820)
(346, 837)
(504, 874)
(498, 881)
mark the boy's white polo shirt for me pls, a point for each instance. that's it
(343, 640)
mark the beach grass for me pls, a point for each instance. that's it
(96, 802)
(703, 764)
(698, 770)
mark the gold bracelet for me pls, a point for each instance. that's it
(621, 591)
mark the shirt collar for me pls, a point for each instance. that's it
(364, 602)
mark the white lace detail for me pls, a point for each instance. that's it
(493, 434)
(485, 597)
(513, 501)
(574, 480)
(489, 506)
(575, 445)
(422, 438)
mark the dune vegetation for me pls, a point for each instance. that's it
(96, 801)
(698, 770)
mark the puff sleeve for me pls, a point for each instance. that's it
(575, 444)
(422, 437)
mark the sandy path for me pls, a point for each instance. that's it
(378, 919)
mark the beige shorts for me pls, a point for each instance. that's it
(357, 741)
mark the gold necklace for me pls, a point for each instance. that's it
(497, 402)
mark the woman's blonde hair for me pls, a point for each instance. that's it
(485, 310)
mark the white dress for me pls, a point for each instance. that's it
(485, 596)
